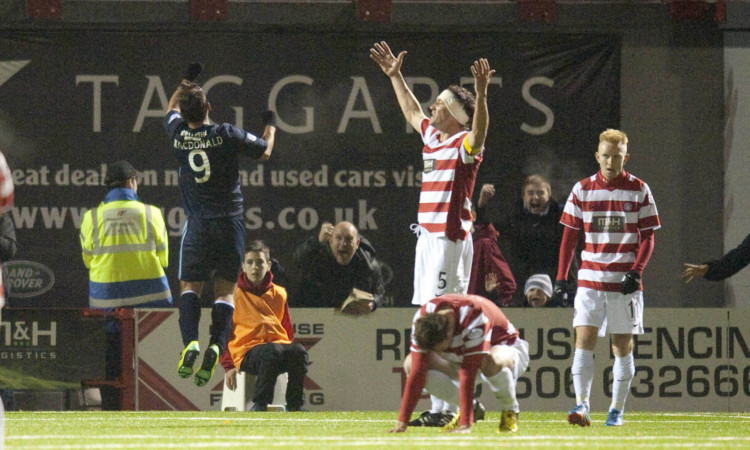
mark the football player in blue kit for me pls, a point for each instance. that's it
(213, 237)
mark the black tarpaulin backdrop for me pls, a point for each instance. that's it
(88, 98)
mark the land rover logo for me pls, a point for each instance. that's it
(23, 279)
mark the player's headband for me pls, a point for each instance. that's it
(454, 106)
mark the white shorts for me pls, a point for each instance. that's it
(521, 360)
(609, 311)
(441, 266)
(520, 357)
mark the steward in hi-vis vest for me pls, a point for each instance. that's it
(125, 247)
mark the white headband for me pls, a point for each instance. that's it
(454, 106)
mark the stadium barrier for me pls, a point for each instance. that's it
(688, 360)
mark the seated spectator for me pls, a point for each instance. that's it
(491, 276)
(538, 292)
(530, 236)
(262, 339)
(335, 262)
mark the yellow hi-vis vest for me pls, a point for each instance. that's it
(125, 248)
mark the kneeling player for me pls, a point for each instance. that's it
(454, 336)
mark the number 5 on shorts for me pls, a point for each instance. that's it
(442, 282)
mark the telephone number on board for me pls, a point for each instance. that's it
(666, 382)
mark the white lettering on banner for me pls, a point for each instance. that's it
(154, 86)
(307, 218)
(31, 177)
(256, 177)
(356, 178)
(359, 86)
(304, 178)
(20, 333)
(288, 218)
(548, 114)
(359, 89)
(52, 217)
(97, 81)
(684, 364)
(27, 355)
(407, 178)
(66, 176)
(308, 125)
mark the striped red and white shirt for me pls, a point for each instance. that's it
(480, 324)
(7, 193)
(611, 213)
(448, 176)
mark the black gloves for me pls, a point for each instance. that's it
(192, 71)
(269, 118)
(631, 282)
(560, 292)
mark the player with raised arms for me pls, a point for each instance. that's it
(213, 237)
(453, 138)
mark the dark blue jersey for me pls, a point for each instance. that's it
(209, 165)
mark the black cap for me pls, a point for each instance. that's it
(118, 173)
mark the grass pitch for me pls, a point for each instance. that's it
(361, 429)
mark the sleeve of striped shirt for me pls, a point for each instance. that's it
(572, 215)
(648, 217)
(7, 190)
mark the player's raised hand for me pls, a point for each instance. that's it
(383, 57)
(485, 194)
(694, 271)
(482, 75)
(326, 231)
(490, 282)
(193, 70)
(269, 118)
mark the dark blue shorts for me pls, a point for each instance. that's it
(212, 247)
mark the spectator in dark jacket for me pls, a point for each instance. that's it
(719, 269)
(491, 277)
(530, 237)
(332, 264)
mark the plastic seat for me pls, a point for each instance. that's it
(241, 399)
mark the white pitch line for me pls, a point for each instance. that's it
(436, 438)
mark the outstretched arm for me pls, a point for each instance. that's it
(174, 100)
(391, 66)
(482, 76)
(269, 133)
(723, 268)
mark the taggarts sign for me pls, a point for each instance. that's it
(343, 150)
